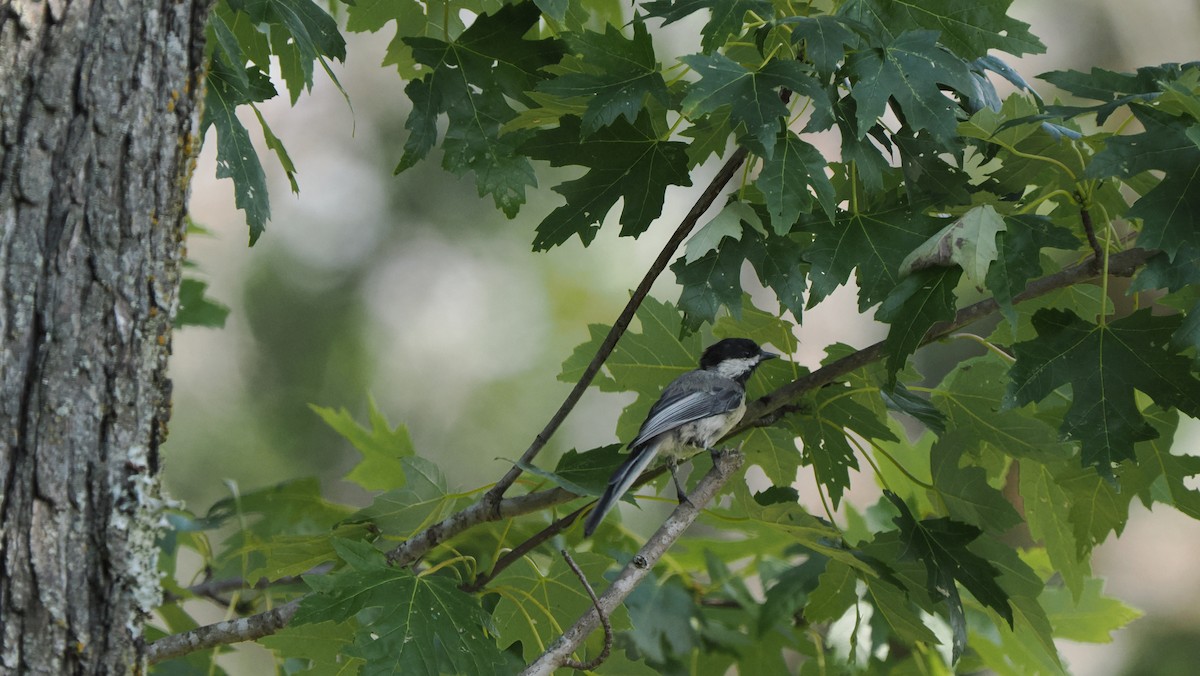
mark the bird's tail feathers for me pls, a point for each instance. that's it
(620, 482)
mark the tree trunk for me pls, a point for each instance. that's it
(98, 115)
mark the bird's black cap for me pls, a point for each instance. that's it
(733, 348)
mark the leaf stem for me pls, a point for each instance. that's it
(986, 343)
(1030, 156)
(1032, 206)
(902, 468)
(870, 461)
(452, 560)
(824, 500)
(854, 187)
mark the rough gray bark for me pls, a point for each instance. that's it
(98, 115)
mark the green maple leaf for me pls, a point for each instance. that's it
(535, 604)
(1171, 209)
(227, 88)
(1098, 505)
(321, 644)
(1160, 272)
(1167, 473)
(1047, 510)
(1030, 626)
(664, 614)
(471, 80)
(713, 280)
(423, 500)
(726, 20)
(873, 243)
(909, 70)
(382, 446)
(969, 30)
(625, 161)
(906, 401)
(824, 430)
(941, 544)
(302, 35)
(197, 309)
(409, 15)
(752, 96)
(290, 507)
(921, 300)
(779, 264)
(937, 550)
(1118, 89)
(836, 591)
(969, 242)
(825, 39)
(589, 471)
(710, 136)
(830, 454)
(898, 590)
(774, 450)
(790, 177)
(834, 412)
(1090, 617)
(421, 624)
(582, 473)
(621, 75)
(727, 223)
(1018, 257)
(1105, 366)
(930, 174)
(965, 489)
(972, 396)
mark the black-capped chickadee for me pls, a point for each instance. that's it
(692, 413)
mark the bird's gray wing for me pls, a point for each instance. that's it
(677, 408)
(709, 394)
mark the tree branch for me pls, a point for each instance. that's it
(1121, 264)
(725, 465)
(222, 633)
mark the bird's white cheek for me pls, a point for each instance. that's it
(735, 368)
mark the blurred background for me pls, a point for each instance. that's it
(414, 290)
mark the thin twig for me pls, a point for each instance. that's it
(556, 527)
(213, 589)
(1090, 230)
(513, 555)
(725, 465)
(608, 633)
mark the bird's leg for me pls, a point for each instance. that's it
(680, 494)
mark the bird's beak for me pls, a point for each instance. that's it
(763, 355)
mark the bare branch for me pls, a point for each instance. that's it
(1085, 217)
(222, 633)
(608, 633)
(725, 465)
